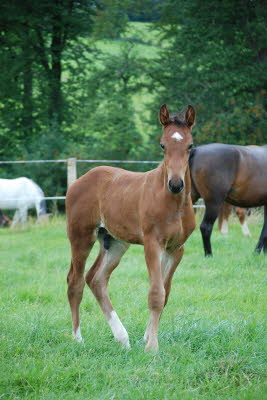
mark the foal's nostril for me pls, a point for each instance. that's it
(176, 185)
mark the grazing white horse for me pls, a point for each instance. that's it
(20, 194)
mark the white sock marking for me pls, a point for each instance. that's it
(245, 229)
(224, 228)
(77, 335)
(119, 332)
(177, 136)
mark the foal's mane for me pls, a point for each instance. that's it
(178, 119)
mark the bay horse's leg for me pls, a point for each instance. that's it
(241, 213)
(211, 213)
(262, 243)
(223, 218)
(97, 279)
(156, 295)
(80, 247)
(169, 262)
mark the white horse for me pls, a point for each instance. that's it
(21, 194)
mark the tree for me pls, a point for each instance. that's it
(34, 37)
(110, 130)
(214, 57)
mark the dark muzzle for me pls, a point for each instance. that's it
(176, 185)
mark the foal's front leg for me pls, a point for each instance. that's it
(156, 295)
(170, 260)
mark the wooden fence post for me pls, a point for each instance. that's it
(72, 171)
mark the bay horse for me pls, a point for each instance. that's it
(224, 215)
(231, 173)
(120, 208)
(21, 194)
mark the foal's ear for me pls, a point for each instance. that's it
(190, 116)
(164, 115)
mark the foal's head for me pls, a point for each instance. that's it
(176, 143)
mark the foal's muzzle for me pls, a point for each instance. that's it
(176, 185)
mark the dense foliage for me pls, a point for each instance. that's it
(80, 79)
(217, 56)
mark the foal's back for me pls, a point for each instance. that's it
(114, 196)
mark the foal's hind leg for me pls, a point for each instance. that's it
(97, 279)
(262, 243)
(80, 251)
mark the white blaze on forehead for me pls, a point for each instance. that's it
(177, 136)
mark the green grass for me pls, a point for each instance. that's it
(212, 333)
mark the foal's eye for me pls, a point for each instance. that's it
(190, 147)
(162, 146)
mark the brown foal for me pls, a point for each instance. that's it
(119, 208)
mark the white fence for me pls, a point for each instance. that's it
(72, 169)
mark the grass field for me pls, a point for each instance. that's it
(212, 334)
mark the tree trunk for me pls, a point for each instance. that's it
(55, 102)
(27, 96)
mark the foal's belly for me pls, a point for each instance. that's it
(122, 231)
(122, 221)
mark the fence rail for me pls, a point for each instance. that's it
(72, 170)
(119, 161)
(80, 161)
(32, 161)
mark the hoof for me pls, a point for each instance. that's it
(209, 255)
(152, 349)
(145, 337)
(77, 335)
(118, 330)
(125, 345)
